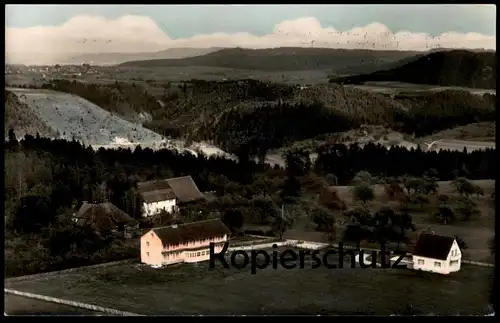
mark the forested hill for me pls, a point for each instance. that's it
(282, 59)
(451, 68)
(249, 113)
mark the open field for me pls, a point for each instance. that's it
(401, 87)
(470, 145)
(476, 233)
(17, 305)
(174, 75)
(481, 131)
(189, 289)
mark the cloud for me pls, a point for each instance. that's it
(130, 34)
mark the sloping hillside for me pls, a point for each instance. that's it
(67, 116)
(281, 59)
(234, 114)
(20, 117)
(73, 117)
(372, 68)
(452, 68)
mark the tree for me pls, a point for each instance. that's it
(281, 223)
(467, 209)
(478, 190)
(33, 213)
(430, 186)
(332, 179)
(264, 209)
(414, 185)
(323, 218)
(164, 218)
(330, 198)
(404, 222)
(363, 192)
(12, 137)
(461, 243)
(445, 214)
(443, 198)
(463, 186)
(359, 225)
(420, 199)
(363, 177)
(233, 219)
(393, 189)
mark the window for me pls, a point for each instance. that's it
(147, 254)
(152, 234)
(147, 243)
(420, 261)
(198, 254)
(453, 262)
(437, 264)
(166, 257)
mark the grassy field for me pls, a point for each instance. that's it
(481, 131)
(195, 289)
(17, 305)
(476, 233)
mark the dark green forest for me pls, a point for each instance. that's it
(449, 68)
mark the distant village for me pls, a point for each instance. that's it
(53, 71)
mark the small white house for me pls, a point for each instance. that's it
(167, 195)
(437, 254)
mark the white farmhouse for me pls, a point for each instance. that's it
(167, 195)
(435, 253)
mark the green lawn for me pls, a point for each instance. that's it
(194, 289)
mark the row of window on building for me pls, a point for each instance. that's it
(189, 254)
(438, 263)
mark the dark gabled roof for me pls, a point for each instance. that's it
(433, 246)
(103, 216)
(183, 189)
(150, 186)
(160, 195)
(191, 231)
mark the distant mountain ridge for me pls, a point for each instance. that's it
(281, 59)
(473, 69)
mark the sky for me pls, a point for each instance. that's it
(64, 29)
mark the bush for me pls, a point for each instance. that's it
(363, 192)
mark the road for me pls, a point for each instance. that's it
(18, 305)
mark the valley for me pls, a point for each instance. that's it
(275, 146)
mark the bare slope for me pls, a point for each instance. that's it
(74, 117)
(281, 59)
(452, 68)
(22, 119)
